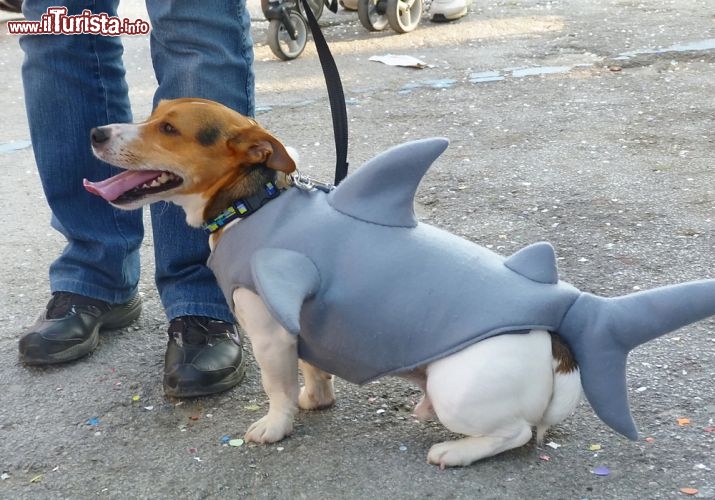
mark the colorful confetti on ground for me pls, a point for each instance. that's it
(689, 491)
(601, 471)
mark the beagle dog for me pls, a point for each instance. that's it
(346, 281)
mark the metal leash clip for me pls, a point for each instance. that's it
(305, 183)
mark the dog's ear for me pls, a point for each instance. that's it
(256, 146)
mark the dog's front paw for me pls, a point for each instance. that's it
(269, 429)
(319, 399)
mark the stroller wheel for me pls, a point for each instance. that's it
(317, 7)
(372, 14)
(404, 15)
(280, 41)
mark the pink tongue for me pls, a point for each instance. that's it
(112, 188)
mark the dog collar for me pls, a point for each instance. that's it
(242, 208)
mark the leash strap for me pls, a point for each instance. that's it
(335, 92)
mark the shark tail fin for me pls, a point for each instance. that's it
(602, 331)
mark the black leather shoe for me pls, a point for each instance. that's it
(69, 328)
(203, 356)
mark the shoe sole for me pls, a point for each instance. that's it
(452, 16)
(193, 392)
(113, 320)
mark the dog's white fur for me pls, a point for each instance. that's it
(494, 391)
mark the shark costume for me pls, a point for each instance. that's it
(370, 291)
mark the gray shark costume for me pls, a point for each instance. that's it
(370, 291)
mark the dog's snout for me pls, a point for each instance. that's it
(99, 135)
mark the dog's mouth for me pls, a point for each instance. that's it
(133, 185)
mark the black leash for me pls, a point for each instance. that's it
(335, 92)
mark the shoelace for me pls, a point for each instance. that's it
(199, 330)
(64, 303)
(59, 306)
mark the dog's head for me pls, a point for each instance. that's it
(193, 152)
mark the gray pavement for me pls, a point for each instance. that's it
(596, 135)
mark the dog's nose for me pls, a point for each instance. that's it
(99, 135)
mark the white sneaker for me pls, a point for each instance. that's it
(443, 11)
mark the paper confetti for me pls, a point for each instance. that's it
(553, 445)
(683, 421)
(225, 438)
(253, 407)
(136, 397)
(545, 458)
(93, 421)
(689, 491)
(594, 447)
(601, 471)
(236, 442)
(650, 440)
(36, 479)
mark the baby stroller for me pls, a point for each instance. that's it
(288, 27)
(402, 16)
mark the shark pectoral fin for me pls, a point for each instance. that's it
(284, 279)
(536, 262)
(382, 191)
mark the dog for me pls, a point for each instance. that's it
(346, 282)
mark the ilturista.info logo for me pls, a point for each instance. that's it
(56, 22)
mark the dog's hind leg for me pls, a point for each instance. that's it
(318, 392)
(470, 449)
(276, 352)
(423, 409)
(493, 392)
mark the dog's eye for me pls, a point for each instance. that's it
(169, 129)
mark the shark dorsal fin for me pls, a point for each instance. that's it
(382, 191)
(536, 262)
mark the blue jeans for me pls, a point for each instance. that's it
(76, 82)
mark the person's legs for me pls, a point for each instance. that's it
(73, 83)
(198, 50)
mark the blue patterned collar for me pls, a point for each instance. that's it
(242, 208)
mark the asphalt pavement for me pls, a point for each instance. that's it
(586, 124)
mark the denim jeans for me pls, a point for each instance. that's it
(76, 82)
